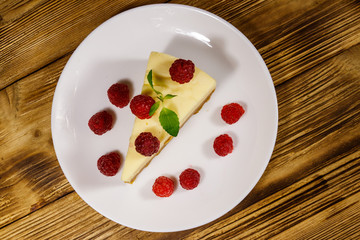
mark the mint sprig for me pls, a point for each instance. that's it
(153, 108)
(167, 118)
(169, 121)
(149, 78)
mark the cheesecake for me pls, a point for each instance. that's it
(190, 97)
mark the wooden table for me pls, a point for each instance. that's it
(310, 189)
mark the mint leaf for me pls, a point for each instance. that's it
(149, 78)
(153, 108)
(167, 118)
(169, 121)
(160, 98)
(169, 96)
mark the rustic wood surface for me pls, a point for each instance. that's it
(311, 187)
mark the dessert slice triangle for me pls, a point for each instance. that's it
(189, 99)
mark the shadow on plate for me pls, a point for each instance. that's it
(208, 54)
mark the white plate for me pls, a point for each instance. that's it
(118, 50)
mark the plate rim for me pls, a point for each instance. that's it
(198, 11)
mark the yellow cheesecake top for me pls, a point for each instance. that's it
(189, 98)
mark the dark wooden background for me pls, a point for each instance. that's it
(310, 189)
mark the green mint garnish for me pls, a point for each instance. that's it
(149, 78)
(168, 118)
(169, 121)
(153, 108)
(169, 96)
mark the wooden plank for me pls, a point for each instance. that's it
(10, 10)
(318, 113)
(70, 216)
(61, 220)
(322, 198)
(314, 171)
(31, 177)
(321, 33)
(291, 36)
(313, 174)
(41, 32)
(316, 110)
(289, 210)
(342, 222)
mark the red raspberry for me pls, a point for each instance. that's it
(189, 179)
(119, 94)
(140, 106)
(147, 144)
(163, 187)
(223, 145)
(101, 122)
(182, 71)
(232, 112)
(109, 164)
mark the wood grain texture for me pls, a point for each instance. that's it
(302, 184)
(41, 32)
(271, 35)
(291, 36)
(10, 10)
(30, 174)
(69, 221)
(311, 187)
(314, 171)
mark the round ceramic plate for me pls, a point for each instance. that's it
(118, 51)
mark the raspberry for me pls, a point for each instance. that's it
(182, 71)
(147, 144)
(232, 112)
(189, 179)
(109, 164)
(118, 94)
(223, 145)
(163, 187)
(100, 122)
(140, 106)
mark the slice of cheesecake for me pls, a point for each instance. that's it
(189, 99)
